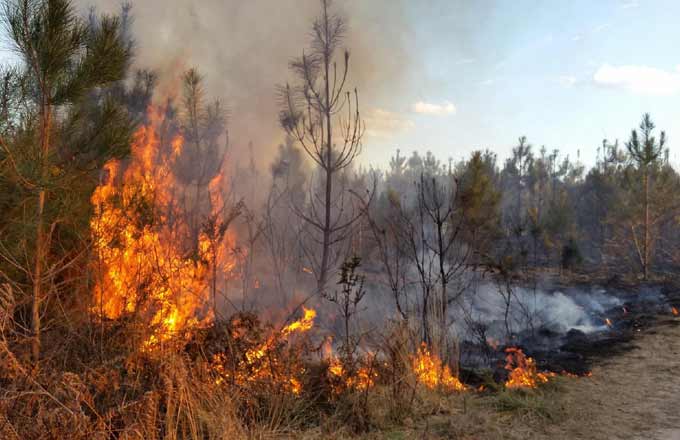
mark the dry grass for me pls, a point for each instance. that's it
(174, 396)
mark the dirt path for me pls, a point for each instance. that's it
(632, 396)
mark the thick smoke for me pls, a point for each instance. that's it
(243, 49)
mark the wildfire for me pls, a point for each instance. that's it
(523, 372)
(432, 372)
(362, 379)
(675, 311)
(608, 322)
(261, 362)
(142, 239)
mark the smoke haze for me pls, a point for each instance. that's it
(243, 49)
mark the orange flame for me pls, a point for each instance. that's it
(260, 363)
(138, 232)
(675, 311)
(523, 372)
(608, 322)
(431, 371)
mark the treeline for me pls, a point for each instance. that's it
(538, 209)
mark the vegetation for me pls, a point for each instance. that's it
(136, 272)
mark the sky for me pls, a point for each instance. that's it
(445, 76)
(566, 74)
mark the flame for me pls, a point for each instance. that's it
(260, 363)
(302, 325)
(363, 378)
(432, 372)
(608, 322)
(139, 231)
(307, 270)
(523, 372)
(675, 311)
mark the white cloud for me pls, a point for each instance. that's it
(428, 108)
(641, 80)
(382, 123)
(577, 37)
(630, 4)
(567, 81)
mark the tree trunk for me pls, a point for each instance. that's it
(645, 264)
(40, 238)
(325, 255)
(37, 278)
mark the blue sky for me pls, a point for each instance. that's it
(448, 76)
(565, 74)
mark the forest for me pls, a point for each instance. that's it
(152, 286)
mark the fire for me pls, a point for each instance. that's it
(523, 372)
(432, 372)
(675, 311)
(260, 363)
(608, 322)
(363, 378)
(142, 240)
(302, 325)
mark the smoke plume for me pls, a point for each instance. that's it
(243, 49)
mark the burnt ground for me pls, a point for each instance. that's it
(633, 394)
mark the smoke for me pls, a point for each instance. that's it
(243, 49)
(531, 310)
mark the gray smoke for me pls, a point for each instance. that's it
(534, 309)
(243, 49)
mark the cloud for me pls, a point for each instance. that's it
(428, 108)
(577, 37)
(566, 80)
(630, 4)
(642, 80)
(382, 123)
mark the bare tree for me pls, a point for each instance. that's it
(324, 118)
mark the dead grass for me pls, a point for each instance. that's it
(173, 397)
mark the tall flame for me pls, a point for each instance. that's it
(139, 232)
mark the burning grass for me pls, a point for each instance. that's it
(522, 370)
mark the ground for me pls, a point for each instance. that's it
(634, 395)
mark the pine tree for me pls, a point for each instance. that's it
(69, 126)
(645, 150)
